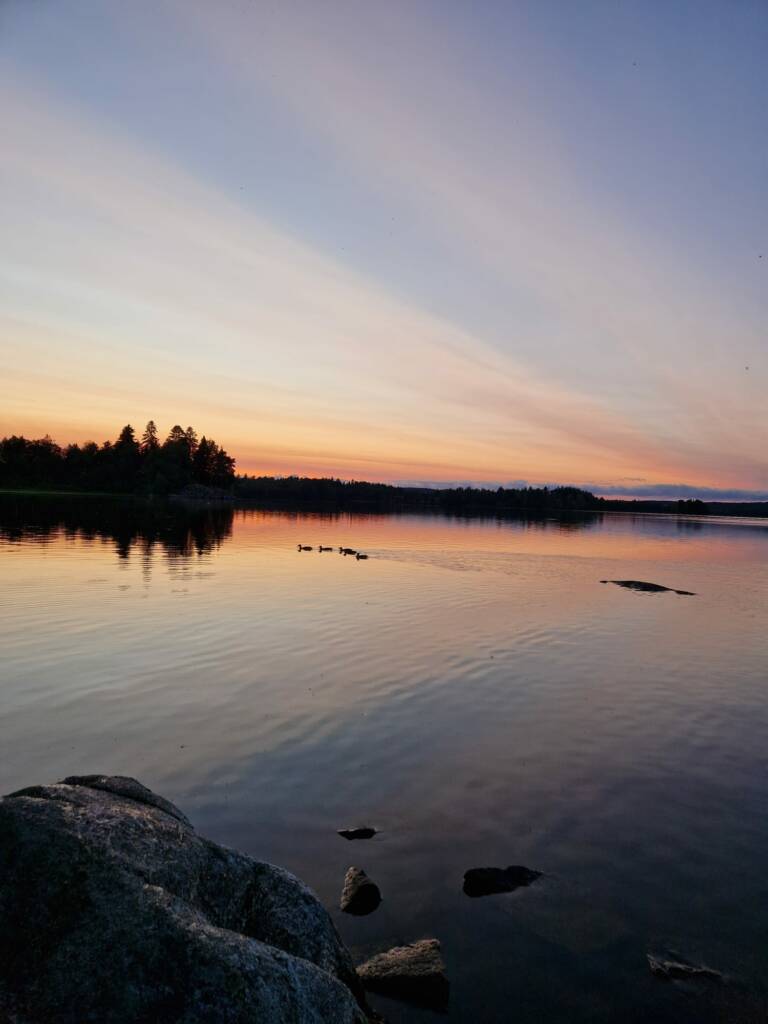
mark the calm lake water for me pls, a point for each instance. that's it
(472, 690)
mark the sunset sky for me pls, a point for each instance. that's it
(412, 241)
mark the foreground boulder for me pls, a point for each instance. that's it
(487, 881)
(360, 895)
(415, 973)
(114, 910)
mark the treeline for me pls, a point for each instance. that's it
(127, 466)
(689, 507)
(328, 492)
(200, 468)
(681, 507)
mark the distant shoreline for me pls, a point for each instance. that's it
(421, 505)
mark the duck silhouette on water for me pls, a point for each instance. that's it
(303, 547)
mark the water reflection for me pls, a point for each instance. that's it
(472, 691)
(183, 530)
(180, 531)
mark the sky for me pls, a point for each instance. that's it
(423, 240)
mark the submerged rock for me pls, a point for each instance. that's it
(487, 881)
(649, 588)
(360, 895)
(364, 832)
(680, 970)
(414, 973)
(114, 910)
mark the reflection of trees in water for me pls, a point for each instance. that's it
(183, 530)
(573, 521)
(689, 525)
(179, 531)
(560, 521)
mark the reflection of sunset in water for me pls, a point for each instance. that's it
(602, 536)
(195, 530)
(472, 689)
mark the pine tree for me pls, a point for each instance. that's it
(149, 440)
(176, 435)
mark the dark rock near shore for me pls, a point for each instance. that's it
(680, 970)
(360, 895)
(113, 910)
(414, 973)
(366, 832)
(487, 881)
(649, 588)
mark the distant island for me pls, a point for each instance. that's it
(197, 468)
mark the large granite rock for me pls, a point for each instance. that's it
(113, 910)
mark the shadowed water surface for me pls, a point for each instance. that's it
(471, 690)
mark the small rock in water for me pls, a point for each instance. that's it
(415, 973)
(679, 970)
(649, 588)
(360, 895)
(487, 881)
(366, 832)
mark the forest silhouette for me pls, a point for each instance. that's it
(185, 465)
(329, 492)
(126, 466)
(199, 468)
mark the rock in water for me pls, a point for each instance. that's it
(360, 895)
(114, 910)
(415, 973)
(649, 588)
(366, 832)
(487, 881)
(679, 970)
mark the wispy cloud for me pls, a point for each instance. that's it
(167, 273)
(544, 331)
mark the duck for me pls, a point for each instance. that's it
(358, 555)
(303, 547)
(321, 548)
(347, 551)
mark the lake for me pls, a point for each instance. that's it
(471, 689)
